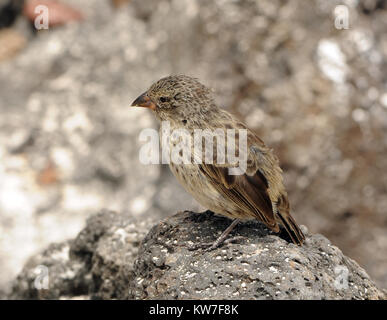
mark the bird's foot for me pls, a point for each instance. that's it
(220, 240)
(214, 245)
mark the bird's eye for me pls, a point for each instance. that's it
(164, 99)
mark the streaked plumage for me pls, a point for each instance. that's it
(259, 193)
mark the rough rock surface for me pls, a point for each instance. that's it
(107, 260)
(83, 267)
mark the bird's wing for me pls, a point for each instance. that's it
(249, 191)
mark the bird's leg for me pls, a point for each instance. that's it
(220, 240)
(224, 235)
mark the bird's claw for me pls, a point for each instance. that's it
(214, 245)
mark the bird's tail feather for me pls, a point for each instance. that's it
(292, 228)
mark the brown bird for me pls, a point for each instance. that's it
(257, 193)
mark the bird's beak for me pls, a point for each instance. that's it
(144, 101)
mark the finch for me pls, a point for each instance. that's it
(257, 192)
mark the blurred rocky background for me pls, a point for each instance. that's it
(69, 141)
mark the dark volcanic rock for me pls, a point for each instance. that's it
(108, 260)
(52, 275)
(90, 266)
(113, 258)
(262, 266)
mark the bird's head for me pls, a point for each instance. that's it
(179, 99)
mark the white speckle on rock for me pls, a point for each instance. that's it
(273, 269)
(62, 255)
(121, 233)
